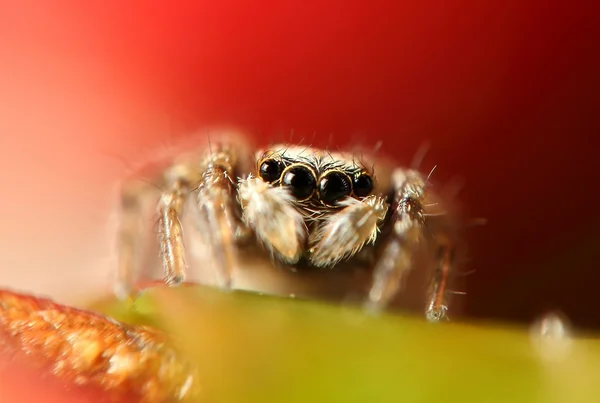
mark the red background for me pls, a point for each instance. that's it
(506, 92)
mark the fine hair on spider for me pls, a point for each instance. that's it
(305, 207)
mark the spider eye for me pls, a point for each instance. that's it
(270, 170)
(363, 185)
(301, 180)
(333, 186)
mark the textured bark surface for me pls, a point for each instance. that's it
(90, 353)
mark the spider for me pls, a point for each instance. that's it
(303, 208)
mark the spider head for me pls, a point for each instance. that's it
(315, 177)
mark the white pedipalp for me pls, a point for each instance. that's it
(344, 233)
(270, 212)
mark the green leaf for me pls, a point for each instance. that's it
(255, 348)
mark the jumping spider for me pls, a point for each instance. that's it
(304, 207)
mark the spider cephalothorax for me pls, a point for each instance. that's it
(309, 203)
(303, 205)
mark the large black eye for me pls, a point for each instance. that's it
(334, 186)
(301, 180)
(270, 170)
(363, 185)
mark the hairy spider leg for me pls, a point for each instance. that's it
(217, 199)
(408, 223)
(437, 308)
(135, 196)
(207, 176)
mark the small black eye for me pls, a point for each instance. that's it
(334, 186)
(301, 180)
(363, 185)
(270, 170)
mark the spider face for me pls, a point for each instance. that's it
(315, 176)
(300, 205)
(317, 205)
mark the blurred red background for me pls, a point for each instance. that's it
(506, 92)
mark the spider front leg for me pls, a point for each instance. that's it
(408, 224)
(170, 232)
(216, 198)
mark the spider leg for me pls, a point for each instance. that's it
(175, 184)
(436, 308)
(170, 232)
(408, 222)
(134, 196)
(216, 200)
(184, 171)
